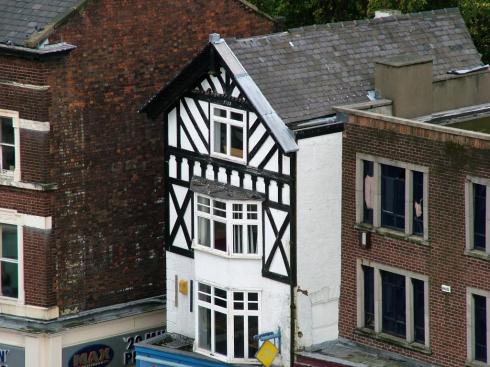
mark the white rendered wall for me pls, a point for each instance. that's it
(319, 170)
(179, 318)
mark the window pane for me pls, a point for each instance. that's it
(236, 141)
(220, 138)
(219, 208)
(368, 185)
(253, 329)
(252, 239)
(10, 287)
(236, 116)
(219, 112)
(204, 328)
(7, 131)
(418, 310)
(239, 336)
(480, 328)
(393, 197)
(252, 211)
(393, 303)
(238, 301)
(204, 293)
(204, 231)
(8, 158)
(220, 333)
(220, 236)
(480, 196)
(418, 203)
(221, 293)
(237, 211)
(237, 239)
(368, 296)
(9, 242)
(203, 204)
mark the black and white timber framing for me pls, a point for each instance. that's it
(268, 168)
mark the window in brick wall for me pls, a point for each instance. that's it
(9, 144)
(9, 261)
(477, 214)
(478, 343)
(393, 302)
(392, 195)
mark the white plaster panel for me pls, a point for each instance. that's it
(217, 84)
(222, 175)
(198, 118)
(286, 163)
(235, 179)
(197, 169)
(192, 131)
(184, 141)
(205, 108)
(247, 182)
(252, 141)
(263, 151)
(172, 213)
(273, 164)
(318, 232)
(286, 194)
(260, 185)
(172, 128)
(236, 92)
(172, 167)
(184, 170)
(205, 85)
(273, 191)
(209, 172)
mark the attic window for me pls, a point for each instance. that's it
(228, 133)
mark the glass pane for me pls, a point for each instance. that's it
(236, 116)
(239, 336)
(253, 329)
(219, 208)
(418, 310)
(368, 296)
(393, 304)
(221, 293)
(10, 285)
(479, 197)
(204, 288)
(220, 333)
(220, 236)
(236, 141)
(203, 204)
(254, 297)
(204, 293)
(237, 239)
(238, 301)
(393, 197)
(418, 205)
(204, 231)
(204, 328)
(368, 168)
(8, 158)
(9, 242)
(220, 138)
(252, 239)
(7, 131)
(237, 211)
(480, 328)
(252, 211)
(219, 112)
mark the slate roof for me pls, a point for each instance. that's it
(306, 71)
(21, 19)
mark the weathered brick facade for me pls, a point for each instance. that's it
(105, 160)
(450, 158)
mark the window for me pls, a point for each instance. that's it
(9, 144)
(227, 321)
(9, 261)
(392, 195)
(393, 302)
(478, 303)
(477, 214)
(228, 132)
(229, 227)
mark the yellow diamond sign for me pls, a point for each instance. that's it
(267, 353)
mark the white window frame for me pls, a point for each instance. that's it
(409, 168)
(378, 312)
(470, 321)
(230, 312)
(469, 213)
(15, 174)
(230, 222)
(228, 122)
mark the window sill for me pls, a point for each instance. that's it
(225, 254)
(228, 158)
(222, 358)
(14, 307)
(475, 364)
(393, 340)
(8, 180)
(477, 254)
(390, 233)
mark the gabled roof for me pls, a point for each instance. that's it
(306, 71)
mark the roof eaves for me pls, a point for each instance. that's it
(283, 135)
(37, 38)
(37, 53)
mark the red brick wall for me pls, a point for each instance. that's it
(107, 159)
(443, 261)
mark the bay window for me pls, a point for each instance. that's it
(227, 227)
(227, 321)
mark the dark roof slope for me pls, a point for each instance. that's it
(22, 19)
(306, 71)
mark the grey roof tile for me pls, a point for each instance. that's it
(306, 71)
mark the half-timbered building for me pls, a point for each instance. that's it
(253, 179)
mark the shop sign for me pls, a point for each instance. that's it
(96, 355)
(11, 356)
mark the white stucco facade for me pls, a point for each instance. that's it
(319, 189)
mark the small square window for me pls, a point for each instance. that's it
(228, 133)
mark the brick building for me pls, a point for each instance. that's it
(416, 175)
(81, 188)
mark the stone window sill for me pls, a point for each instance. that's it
(390, 233)
(477, 254)
(475, 364)
(393, 340)
(8, 180)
